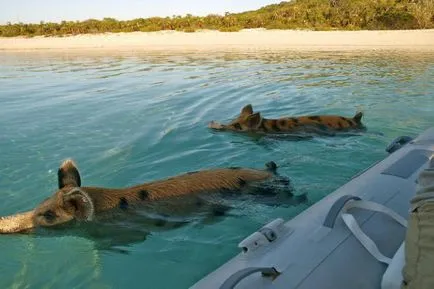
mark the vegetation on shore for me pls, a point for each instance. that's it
(296, 14)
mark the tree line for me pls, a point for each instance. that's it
(296, 14)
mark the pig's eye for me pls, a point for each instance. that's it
(237, 126)
(49, 216)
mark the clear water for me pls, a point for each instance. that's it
(131, 118)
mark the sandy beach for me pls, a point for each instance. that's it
(254, 39)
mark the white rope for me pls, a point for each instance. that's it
(354, 227)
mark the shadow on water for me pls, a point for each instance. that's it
(297, 136)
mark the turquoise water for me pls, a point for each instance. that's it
(132, 118)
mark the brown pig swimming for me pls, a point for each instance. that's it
(73, 202)
(248, 121)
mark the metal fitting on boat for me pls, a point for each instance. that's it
(264, 236)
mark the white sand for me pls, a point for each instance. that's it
(253, 39)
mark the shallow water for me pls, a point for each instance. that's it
(131, 118)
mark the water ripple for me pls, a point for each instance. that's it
(136, 117)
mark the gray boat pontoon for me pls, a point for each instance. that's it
(351, 239)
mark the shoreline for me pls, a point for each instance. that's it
(244, 40)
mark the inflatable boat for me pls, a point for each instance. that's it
(351, 239)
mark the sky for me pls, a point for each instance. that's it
(34, 11)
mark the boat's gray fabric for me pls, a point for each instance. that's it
(407, 165)
(350, 265)
(427, 137)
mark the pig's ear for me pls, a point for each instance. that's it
(247, 110)
(68, 175)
